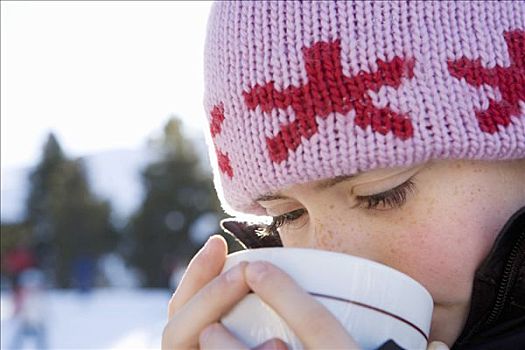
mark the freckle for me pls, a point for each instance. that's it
(398, 220)
(331, 206)
(326, 240)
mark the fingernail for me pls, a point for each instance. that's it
(279, 345)
(437, 345)
(275, 344)
(234, 274)
(255, 271)
(206, 246)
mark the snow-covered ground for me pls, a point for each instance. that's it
(103, 319)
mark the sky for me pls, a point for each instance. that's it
(100, 74)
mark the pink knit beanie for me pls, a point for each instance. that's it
(302, 91)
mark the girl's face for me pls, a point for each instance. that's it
(435, 222)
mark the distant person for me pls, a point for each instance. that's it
(84, 268)
(17, 260)
(30, 309)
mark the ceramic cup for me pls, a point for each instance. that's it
(374, 302)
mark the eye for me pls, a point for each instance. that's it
(281, 220)
(394, 198)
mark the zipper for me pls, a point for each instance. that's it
(509, 273)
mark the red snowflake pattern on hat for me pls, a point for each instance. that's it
(217, 118)
(328, 90)
(510, 81)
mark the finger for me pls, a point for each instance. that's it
(216, 336)
(315, 326)
(204, 266)
(272, 344)
(438, 345)
(206, 307)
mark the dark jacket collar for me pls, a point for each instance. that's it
(497, 315)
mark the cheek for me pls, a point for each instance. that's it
(443, 255)
(441, 265)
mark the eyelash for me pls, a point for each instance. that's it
(393, 198)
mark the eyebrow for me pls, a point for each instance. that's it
(322, 185)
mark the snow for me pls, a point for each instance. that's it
(14, 183)
(103, 319)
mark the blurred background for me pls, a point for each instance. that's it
(106, 188)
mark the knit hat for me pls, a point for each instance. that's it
(303, 91)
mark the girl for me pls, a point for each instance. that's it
(393, 131)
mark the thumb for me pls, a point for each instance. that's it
(437, 345)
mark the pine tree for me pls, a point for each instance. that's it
(67, 220)
(178, 192)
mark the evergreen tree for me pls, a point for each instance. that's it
(69, 223)
(178, 192)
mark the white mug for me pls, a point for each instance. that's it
(374, 302)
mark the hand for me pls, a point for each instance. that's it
(202, 296)
(313, 324)
(201, 299)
